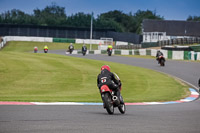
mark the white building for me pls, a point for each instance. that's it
(158, 30)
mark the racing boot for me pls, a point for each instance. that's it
(120, 97)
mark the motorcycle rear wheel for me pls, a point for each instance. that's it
(108, 103)
(122, 107)
(162, 62)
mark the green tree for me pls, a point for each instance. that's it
(193, 18)
(120, 19)
(55, 15)
(107, 24)
(139, 16)
(50, 15)
(16, 17)
(128, 22)
(79, 20)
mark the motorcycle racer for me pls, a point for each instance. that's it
(46, 48)
(108, 78)
(159, 53)
(70, 48)
(84, 49)
(109, 47)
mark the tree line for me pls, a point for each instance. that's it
(54, 15)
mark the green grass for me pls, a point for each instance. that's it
(20, 46)
(55, 78)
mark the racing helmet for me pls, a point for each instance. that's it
(105, 67)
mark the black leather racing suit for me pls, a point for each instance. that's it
(159, 54)
(107, 78)
(84, 48)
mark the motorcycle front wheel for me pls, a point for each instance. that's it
(108, 103)
(109, 54)
(122, 108)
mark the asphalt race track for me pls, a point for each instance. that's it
(170, 118)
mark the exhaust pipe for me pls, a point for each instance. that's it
(116, 100)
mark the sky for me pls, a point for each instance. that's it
(169, 9)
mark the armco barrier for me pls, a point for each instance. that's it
(24, 38)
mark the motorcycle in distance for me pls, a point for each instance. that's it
(70, 51)
(45, 50)
(109, 50)
(161, 60)
(70, 48)
(110, 100)
(84, 50)
(35, 49)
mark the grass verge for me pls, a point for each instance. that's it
(22, 46)
(56, 78)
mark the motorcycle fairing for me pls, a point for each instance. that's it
(105, 88)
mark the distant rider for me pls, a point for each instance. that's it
(108, 78)
(46, 47)
(109, 47)
(71, 48)
(84, 48)
(159, 53)
(35, 49)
